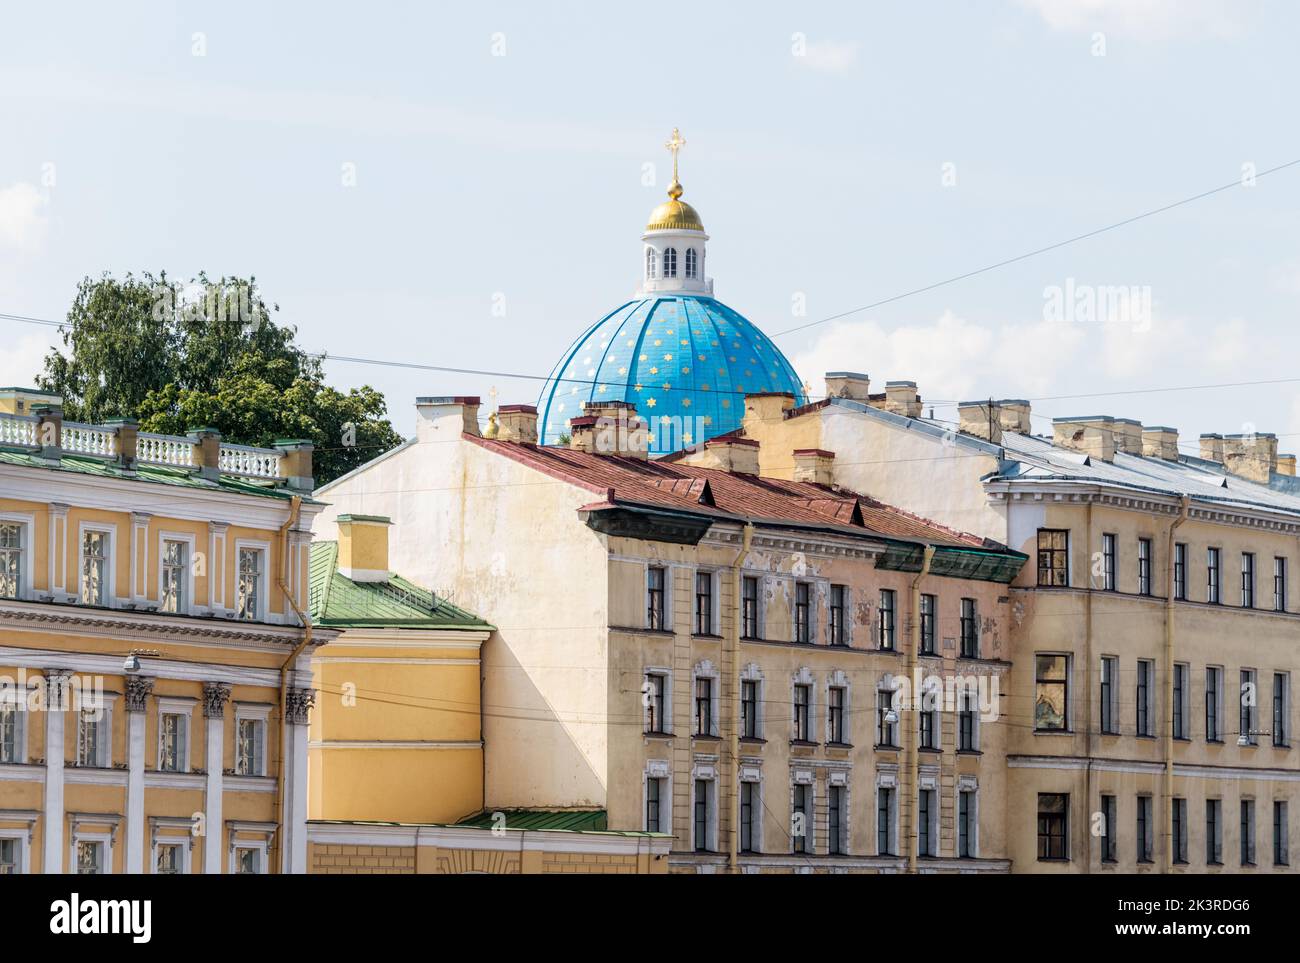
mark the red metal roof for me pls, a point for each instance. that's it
(710, 491)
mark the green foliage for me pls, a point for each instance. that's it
(207, 354)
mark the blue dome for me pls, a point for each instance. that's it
(685, 361)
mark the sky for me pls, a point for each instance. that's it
(464, 185)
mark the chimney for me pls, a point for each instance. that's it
(1159, 441)
(363, 547)
(901, 398)
(814, 465)
(981, 419)
(618, 429)
(1093, 435)
(445, 417)
(582, 433)
(295, 463)
(737, 455)
(207, 451)
(1128, 436)
(1212, 448)
(1252, 456)
(767, 407)
(848, 384)
(517, 423)
(1014, 415)
(1286, 465)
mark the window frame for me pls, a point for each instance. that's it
(1064, 685)
(1180, 572)
(184, 709)
(109, 579)
(1281, 708)
(1053, 555)
(1180, 718)
(1144, 830)
(1213, 575)
(25, 523)
(1145, 556)
(1108, 686)
(1214, 832)
(1109, 562)
(1110, 824)
(751, 622)
(1214, 714)
(803, 613)
(656, 598)
(837, 609)
(1279, 583)
(970, 629)
(186, 604)
(929, 624)
(705, 622)
(259, 713)
(1248, 580)
(887, 633)
(1049, 833)
(663, 692)
(1144, 698)
(262, 609)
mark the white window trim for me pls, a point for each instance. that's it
(191, 542)
(972, 694)
(715, 615)
(256, 712)
(931, 786)
(1218, 702)
(110, 559)
(839, 680)
(26, 554)
(804, 676)
(753, 775)
(708, 773)
(667, 674)
(886, 781)
(705, 669)
(20, 727)
(78, 836)
(752, 672)
(971, 785)
(23, 856)
(840, 779)
(187, 853)
(847, 627)
(887, 683)
(658, 769)
(814, 587)
(105, 760)
(263, 613)
(184, 707)
(808, 779)
(931, 692)
(760, 614)
(259, 845)
(1185, 703)
(670, 623)
(1071, 694)
(1152, 719)
(1116, 724)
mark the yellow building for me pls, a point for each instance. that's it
(154, 658)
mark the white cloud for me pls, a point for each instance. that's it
(23, 359)
(828, 56)
(1144, 19)
(1228, 342)
(23, 222)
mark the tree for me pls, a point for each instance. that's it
(207, 354)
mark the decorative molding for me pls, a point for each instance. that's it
(138, 688)
(298, 704)
(215, 696)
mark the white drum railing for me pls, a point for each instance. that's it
(252, 462)
(18, 430)
(89, 440)
(164, 450)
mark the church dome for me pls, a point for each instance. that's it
(674, 215)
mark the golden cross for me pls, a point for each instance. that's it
(674, 144)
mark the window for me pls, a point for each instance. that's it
(1247, 580)
(966, 824)
(835, 629)
(1180, 571)
(650, 264)
(929, 605)
(654, 787)
(886, 718)
(1053, 557)
(169, 859)
(11, 855)
(925, 814)
(970, 630)
(1179, 830)
(703, 603)
(887, 619)
(670, 262)
(1145, 830)
(749, 709)
(655, 597)
(703, 707)
(802, 696)
(11, 734)
(886, 838)
(1144, 566)
(1109, 697)
(1108, 581)
(94, 568)
(748, 801)
(94, 738)
(249, 759)
(1145, 673)
(1247, 832)
(1182, 672)
(1213, 577)
(248, 861)
(1281, 847)
(968, 721)
(1051, 685)
(702, 813)
(656, 702)
(835, 714)
(90, 857)
(1214, 831)
(11, 560)
(1053, 819)
(802, 612)
(1247, 727)
(928, 721)
(800, 819)
(174, 573)
(691, 267)
(1109, 825)
(749, 607)
(1279, 584)
(835, 821)
(1213, 703)
(1281, 702)
(172, 742)
(249, 602)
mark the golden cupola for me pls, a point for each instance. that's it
(675, 214)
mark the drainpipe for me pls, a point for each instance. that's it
(281, 580)
(733, 643)
(1167, 789)
(1089, 694)
(913, 757)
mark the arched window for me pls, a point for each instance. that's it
(649, 264)
(670, 262)
(690, 262)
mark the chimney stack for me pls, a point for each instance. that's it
(1093, 435)
(1161, 442)
(618, 429)
(1014, 415)
(517, 423)
(1128, 436)
(1286, 465)
(1252, 456)
(766, 407)
(727, 453)
(814, 465)
(902, 399)
(582, 433)
(848, 384)
(363, 547)
(446, 417)
(1212, 447)
(981, 419)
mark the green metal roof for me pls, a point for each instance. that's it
(569, 820)
(158, 474)
(338, 601)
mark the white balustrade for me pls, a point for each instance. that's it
(18, 430)
(89, 440)
(252, 462)
(164, 450)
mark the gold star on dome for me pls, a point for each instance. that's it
(704, 387)
(668, 357)
(632, 343)
(622, 371)
(668, 386)
(686, 402)
(686, 437)
(707, 420)
(654, 370)
(638, 388)
(685, 341)
(703, 358)
(650, 403)
(686, 370)
(658, 342)
(601, 389)
(669, 331)
(644, 357)
(726, 402)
